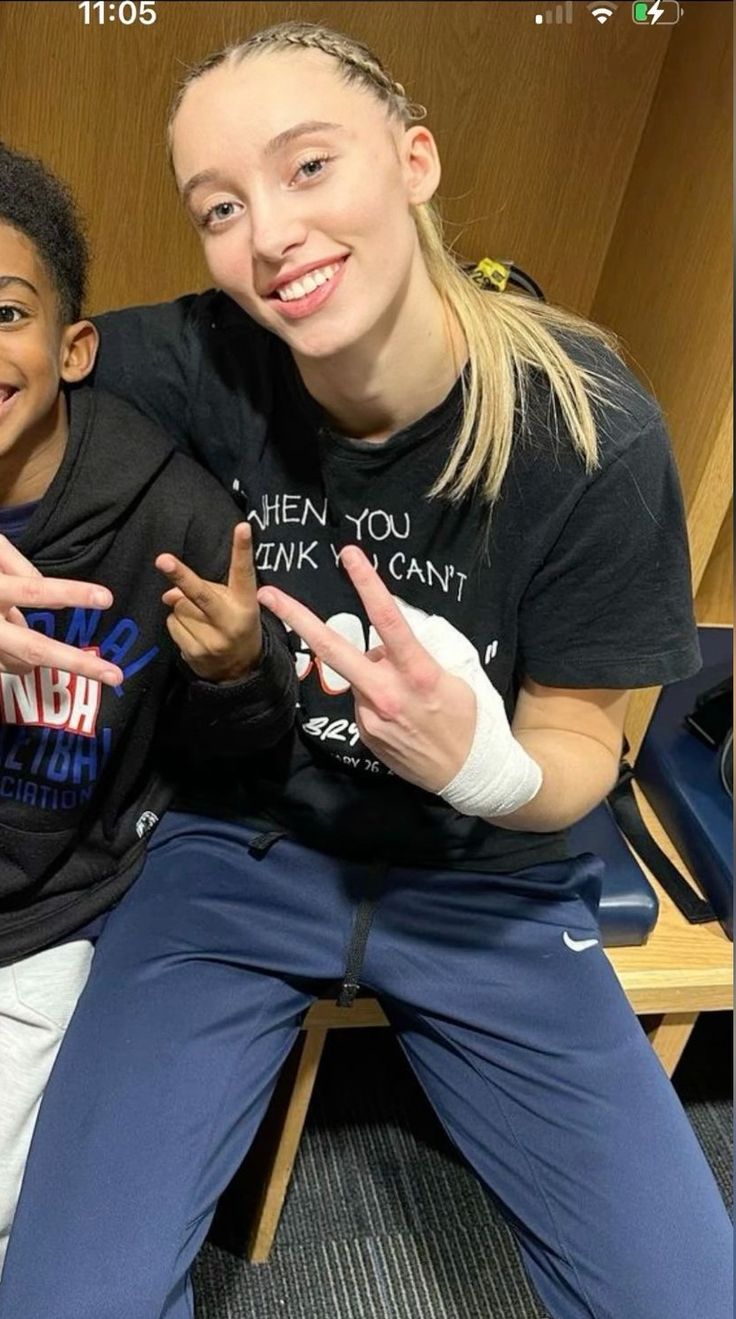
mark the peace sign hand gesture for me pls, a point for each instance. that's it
(418, 718)
(423, 704)
(216, 627)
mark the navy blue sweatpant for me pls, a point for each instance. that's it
(505, 1006)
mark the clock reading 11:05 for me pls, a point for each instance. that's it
(125, 12)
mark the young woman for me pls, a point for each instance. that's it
(474, 508)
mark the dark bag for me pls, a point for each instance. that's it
(710, 720)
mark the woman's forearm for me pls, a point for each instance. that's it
(577, 773)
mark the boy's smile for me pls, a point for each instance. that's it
(36, 351)
(7, 394)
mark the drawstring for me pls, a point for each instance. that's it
(260, 846)
(356, 952)
(359, 938)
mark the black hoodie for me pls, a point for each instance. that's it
(85, 770)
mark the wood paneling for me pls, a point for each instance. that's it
(538, 126)
(714, 601)
(598, 158)
(666, 284)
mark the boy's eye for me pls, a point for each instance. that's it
(10, 315)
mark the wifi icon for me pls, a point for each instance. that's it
(602, 12)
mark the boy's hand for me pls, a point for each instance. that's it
(22, 648)
(216, 628)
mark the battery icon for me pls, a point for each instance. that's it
(663, 12)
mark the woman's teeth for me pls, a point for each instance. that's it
(308, 283)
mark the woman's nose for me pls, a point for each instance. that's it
(277, 227)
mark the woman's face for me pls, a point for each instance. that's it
(301, 188)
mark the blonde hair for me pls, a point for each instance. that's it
(508, 335)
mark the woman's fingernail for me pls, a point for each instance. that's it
(101, 598)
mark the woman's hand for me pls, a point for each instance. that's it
(216, 627)
(414, 715)
(23, 649)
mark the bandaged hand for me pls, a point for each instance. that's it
(498, 776)
(422, 702)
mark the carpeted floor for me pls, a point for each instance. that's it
(383, 1221)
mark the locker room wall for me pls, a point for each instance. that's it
(596, 157)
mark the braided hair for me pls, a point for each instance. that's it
(357, 62)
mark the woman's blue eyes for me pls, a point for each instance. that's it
(222, 211)
(215, 212)
(308, 166)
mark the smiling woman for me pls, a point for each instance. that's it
(385, 423)
(304, 192)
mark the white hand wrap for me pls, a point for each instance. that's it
(498, 776)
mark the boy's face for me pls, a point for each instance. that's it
(36, 350)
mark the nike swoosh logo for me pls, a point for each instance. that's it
(578, 945)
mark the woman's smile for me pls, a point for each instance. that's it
(301, 297)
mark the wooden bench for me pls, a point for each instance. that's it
(681, 971)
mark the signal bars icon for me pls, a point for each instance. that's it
(563, 13)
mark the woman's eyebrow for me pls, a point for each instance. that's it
(204, 176)
(299, 130)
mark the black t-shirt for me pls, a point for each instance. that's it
(577, 579)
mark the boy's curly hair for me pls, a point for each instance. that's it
(41, 207)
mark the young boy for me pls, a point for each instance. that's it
(89, 490)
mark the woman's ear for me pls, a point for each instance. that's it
(78, 351)
(420, 163)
